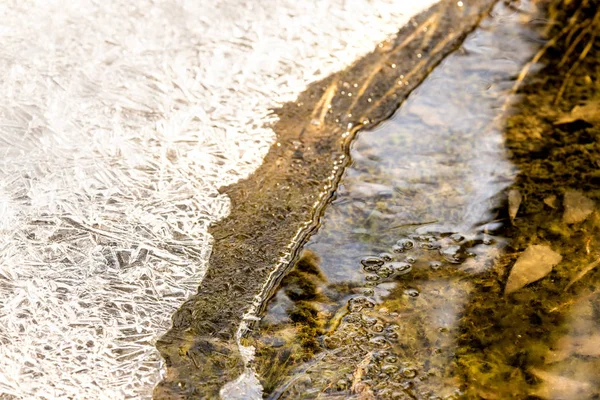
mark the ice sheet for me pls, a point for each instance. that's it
(118, 122)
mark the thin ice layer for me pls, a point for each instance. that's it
(118, 122)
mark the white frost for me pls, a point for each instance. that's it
(118, 122)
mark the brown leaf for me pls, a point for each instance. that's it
(533, 264)
(550, 201)
(567, 346)
(559, 387)
(588, 345)
(562, 349)
(514, 202)
(589, 112)
(577, 207)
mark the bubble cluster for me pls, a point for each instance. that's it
(379, 339)
(431, 251)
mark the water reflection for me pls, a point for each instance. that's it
(406, 296)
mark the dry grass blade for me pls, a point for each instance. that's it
(573, 45)
(582, 56)
(593, 27)
(571, 302)
(583, 273)
(358, 373)
(541, 53)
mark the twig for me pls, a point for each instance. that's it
(574, 45)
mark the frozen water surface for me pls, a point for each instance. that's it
(118, 122)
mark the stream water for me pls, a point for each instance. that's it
(401, 293)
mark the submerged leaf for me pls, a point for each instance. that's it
(589, 112)
(550, 201)
(514, 202)
(534, 263)
(577, 207)
(556, 386)
(588, 345)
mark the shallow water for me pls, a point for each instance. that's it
(402, 292)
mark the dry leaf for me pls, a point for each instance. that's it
(559, 387)
(514, 202)
(569, 345)
(588, 345)
(534, 263)
(577, 207)
(589, 112)
(550, 201)
(562, 349)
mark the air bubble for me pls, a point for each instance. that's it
(398, 249)
(354, 317)
(457, 237)
(358, 303)
(430, 246)
(454, 254)
(392, 335)
(409, 373)
(412, 292)
(371, 264)
(391, 359)
(368, 291)
(411, 260)
(401, 268)
(370, 268)
(389, 369)
(379, 341)
(407, 244)
(435, 265)
(332, 342)
(386, 256)
(385, 271)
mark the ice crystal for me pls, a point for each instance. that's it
(119, 121)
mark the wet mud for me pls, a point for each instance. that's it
(276, 209)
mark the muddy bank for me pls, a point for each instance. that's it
(276, 209)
